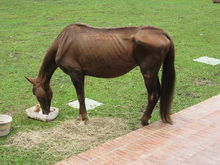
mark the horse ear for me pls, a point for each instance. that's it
(31, 80)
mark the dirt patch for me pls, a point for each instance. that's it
(70, 136)
(193, 95)
(203, 82)
(217, 73)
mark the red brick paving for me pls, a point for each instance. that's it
(193, 139)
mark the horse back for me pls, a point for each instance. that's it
(97, 52)
(106, 52)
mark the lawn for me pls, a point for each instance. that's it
(28, 27)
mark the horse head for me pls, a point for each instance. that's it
(43, 94)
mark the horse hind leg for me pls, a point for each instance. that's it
(78, 82)
(152, 84)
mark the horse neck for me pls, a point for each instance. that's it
(47, 68)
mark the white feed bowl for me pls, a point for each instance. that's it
(5, 124)
(31, 112)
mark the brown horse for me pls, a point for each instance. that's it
(82, 50)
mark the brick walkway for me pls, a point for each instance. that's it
(193, 139)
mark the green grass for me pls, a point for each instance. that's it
(28, 27)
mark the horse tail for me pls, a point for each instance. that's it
(168, 84)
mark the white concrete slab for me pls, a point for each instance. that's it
(208, 60)
(90, 104)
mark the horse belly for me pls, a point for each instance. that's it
(108, 71)
(107, 64)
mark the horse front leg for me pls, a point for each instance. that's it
(78, 82)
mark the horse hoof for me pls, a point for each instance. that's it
(79, 118)
(144, 123)
(83, 122)
(145, 120)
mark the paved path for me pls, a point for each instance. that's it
(193, 139)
